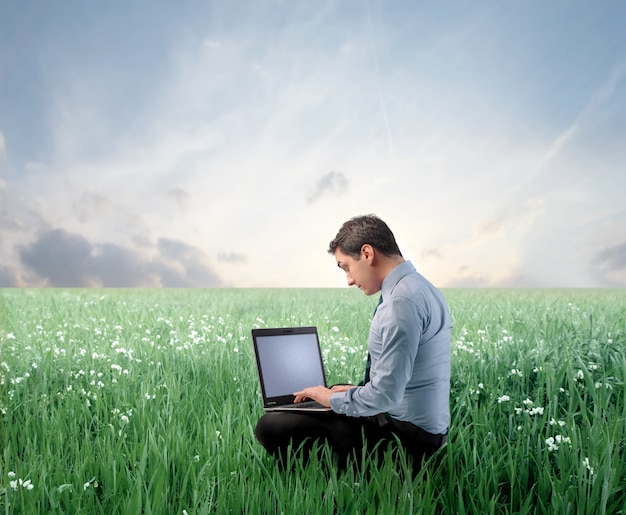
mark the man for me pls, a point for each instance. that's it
(406, 390)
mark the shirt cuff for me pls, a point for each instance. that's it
(337, 402)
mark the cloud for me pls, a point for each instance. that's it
(431, 253)
(116, 266)
(608, 266)
(61, 258)
(64, 259)
(89, 205)
(614, 258)
(178, 195)
(232, 257)
(333, 184)
(141, 137)
(8, 221)
(467, 277)
(8, 277)
(487, 227)
(183, 266)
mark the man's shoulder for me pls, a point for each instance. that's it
(415, 288)
(414, 284)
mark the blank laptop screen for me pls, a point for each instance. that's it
(289, 363)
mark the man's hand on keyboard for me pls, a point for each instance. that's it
(317, 393)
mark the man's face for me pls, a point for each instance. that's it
(359, 272)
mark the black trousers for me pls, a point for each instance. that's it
(347, 436)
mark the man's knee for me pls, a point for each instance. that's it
(267, 430)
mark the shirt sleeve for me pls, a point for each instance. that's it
(398, 329)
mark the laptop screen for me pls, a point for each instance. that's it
(288, 361)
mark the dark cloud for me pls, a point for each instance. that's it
(613, 258)
(178, 195)
(183, 266)
(232, 257)
(64, 259)
(609, 266)
(118, 267)
(8, 277)
(333, 184)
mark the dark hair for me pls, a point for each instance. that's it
(361, 230)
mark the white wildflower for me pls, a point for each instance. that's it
(563, 439)
(92, 481)
(552, 446)
(503, 398)
(21, 484)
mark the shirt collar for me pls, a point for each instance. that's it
(393, 277)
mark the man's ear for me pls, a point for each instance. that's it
(368, 253)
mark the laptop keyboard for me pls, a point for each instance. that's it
(309, 404)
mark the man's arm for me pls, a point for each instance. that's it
(320, 393)
(399, 328)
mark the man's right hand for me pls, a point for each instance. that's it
(342, 387)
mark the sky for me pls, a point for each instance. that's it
(223, 143)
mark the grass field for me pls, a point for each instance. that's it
(138, 401)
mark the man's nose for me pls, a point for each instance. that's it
(350, 280)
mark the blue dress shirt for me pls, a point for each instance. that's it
(409, 344)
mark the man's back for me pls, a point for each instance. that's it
(413, 308)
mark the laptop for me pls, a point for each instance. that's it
(288, 359)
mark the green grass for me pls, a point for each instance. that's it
(137, 401)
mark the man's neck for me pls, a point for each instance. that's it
(387, 264)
